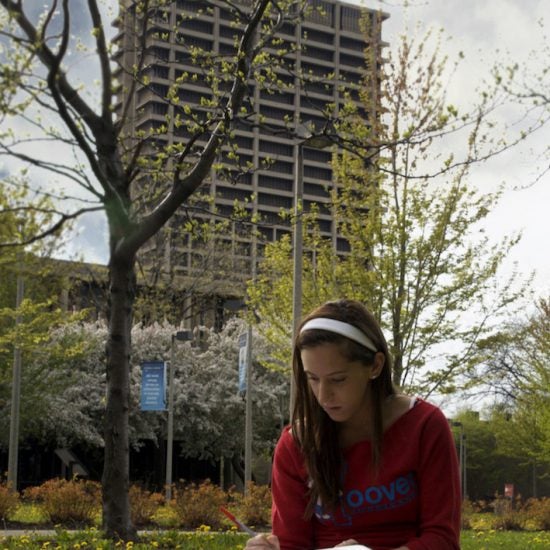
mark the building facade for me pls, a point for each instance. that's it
(322, 62)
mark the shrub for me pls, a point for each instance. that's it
(254, 508)
(509, 521)
(468, 510)
(9, 500)
(537, 512)
(502, 506)
(143, 505)
(67, 502)
(198, 505)
(166, 517)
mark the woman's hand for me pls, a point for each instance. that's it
(267, 542)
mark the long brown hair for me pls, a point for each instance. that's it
(316, 434)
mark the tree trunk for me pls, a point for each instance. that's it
(117, 521)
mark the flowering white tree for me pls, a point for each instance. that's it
(208, 410)
(209, 383)
(64, 393)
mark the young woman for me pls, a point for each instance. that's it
(360, 462)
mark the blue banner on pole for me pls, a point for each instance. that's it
(153, 386)
(243, 342)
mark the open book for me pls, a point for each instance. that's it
(350, 547)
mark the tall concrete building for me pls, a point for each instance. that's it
(325, 57)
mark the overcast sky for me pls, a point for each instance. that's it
(484, 31)
(487, 31)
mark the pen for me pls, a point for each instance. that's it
(238, 523)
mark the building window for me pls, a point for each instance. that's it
(321, 12)
(194, 24)
(273, 218)
(190, 40)
(243, 142)
(235, 176)
(321, 88)
(350, 18)
(157, 89)
(153, 126)
(191, 97)
(288, 29)
(192, 6)
(317, 36)
(319, 53)
(315, 190)
(282, 232)
(225, 210)
(160, 71)
(266, 233)
(160, 53)
(282, 167)
(276, 148)
(352, 76)
(325, 226)
(351, 60)
(317, 173)
(317, 155)
(342, 245)
(227, 49)
(351, 44)
(309, 102)
(159, 108)
(321, 208)
(316, 70)
(274, 200)
(277, 97)
(232, 193)
(270, 182)
(227, 32)
(274, 113)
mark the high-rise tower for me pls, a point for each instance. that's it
(324, 56)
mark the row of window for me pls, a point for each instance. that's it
(267, 199)
(241, 243)
(314, 45)
(269, 181)
(181, 254)
(308, 67)
(316, 79)
(320, 12)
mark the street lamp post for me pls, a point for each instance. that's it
(247, 344)
(13, 450)
(248, 413)
(461, 456)
(313, 142)
(181, 335)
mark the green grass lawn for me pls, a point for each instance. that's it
(511, 540)
(481, 537)
(91, 539)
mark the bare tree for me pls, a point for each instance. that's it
(408, 216)
(44, 56)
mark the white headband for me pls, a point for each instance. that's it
(345, 329)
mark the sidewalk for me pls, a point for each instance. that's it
(32, 531)
(21, 532)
